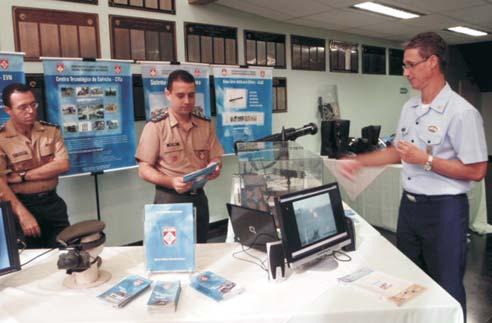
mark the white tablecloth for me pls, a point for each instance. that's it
(379, 202)
(36, 294)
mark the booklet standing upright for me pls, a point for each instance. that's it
(169, 237)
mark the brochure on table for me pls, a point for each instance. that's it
(395, 290)
(125, 291)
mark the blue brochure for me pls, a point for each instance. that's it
(165, 296)
(125, 291)
(169, 237)
(214, 286)
(200, 177)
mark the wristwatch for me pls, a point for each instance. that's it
(428, 163)
(23, 176)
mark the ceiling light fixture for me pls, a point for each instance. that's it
(467, 31)
(386, 10)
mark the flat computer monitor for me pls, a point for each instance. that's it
(252, 228)
(9, 254)
(312, 224)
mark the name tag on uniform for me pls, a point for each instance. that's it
(172, 144)
(20, 153)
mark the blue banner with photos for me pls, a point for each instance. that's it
(154, 78)
(244, 104)
(93, 104)
(11, 71)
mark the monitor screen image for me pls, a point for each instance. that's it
(312, 222)
(314, 217)
(9, 254)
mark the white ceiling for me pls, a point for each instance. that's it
(337, 15)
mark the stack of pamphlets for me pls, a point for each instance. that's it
(165, 296)
(125, 291)
(214, 286)
(393, 289)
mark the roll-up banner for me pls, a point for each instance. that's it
(244, 104)
(11, 71)
(92, 101)
(154, 78)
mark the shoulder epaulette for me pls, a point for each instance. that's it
(160, 116)
(200, 115)
(45, 123)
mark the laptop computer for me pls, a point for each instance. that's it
(252, 228)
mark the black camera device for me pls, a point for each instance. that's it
(77, 259)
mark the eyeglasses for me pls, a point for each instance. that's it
(409, 66)
(25, 107)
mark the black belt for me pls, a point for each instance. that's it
(424, 198)
(173, 191)
(23, 196)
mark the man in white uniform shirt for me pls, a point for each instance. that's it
(440, 141)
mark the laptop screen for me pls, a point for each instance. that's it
(9, 255)
(252, 228)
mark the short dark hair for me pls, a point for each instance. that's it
(428, 44)
(10, 89)
(179, 75)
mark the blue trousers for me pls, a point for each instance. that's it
(431, 232)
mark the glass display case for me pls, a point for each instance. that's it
(269, 169)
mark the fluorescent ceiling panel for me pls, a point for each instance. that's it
(386, 10)
(467, 31)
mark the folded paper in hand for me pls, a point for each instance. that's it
(200, 177)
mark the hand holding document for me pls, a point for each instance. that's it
(351, 175)
(200, 177)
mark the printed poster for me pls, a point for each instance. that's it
(244, 104)
(11, 71)
(154, 78)
(93, 104)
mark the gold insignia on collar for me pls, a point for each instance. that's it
(433, 129)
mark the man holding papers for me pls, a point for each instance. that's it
(440, 141)
(176, 143)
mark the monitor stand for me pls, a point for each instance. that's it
(323, 264)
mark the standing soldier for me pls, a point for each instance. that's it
(178, 142)
(32, 156)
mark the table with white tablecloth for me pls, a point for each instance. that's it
(36, 293)
(378, 203)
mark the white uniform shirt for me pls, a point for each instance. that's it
(450, 128)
